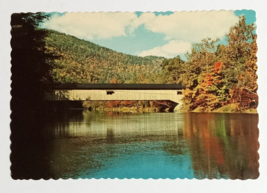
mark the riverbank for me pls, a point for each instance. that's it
(130, 106)
(233, 108)
(133, 109)
(230, 108)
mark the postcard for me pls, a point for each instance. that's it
(161, 95)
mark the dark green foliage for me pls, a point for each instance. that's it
(173, 70)
(31, 62)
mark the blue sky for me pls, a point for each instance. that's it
(165, 34)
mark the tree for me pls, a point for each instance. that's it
(240, 38)
(173, 70)
(31, 67)
(251, 65)
(31, 62)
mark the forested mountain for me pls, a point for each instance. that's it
(82, 61)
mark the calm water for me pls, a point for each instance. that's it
(154, 145)
(81, 144)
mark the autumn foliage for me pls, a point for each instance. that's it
(114, 81)
(219, 75)
(218, 67)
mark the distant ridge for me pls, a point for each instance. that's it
(82, 61)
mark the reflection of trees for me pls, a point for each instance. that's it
(244, 138)
(110, 135)
(63, 124)
(222, 145)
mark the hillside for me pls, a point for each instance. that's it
(82, 61)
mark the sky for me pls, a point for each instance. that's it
(166, 34)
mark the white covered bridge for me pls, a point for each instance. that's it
(106, 92)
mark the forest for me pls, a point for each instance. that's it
(81, 61)
(217, 77)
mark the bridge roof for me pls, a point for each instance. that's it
(85, 86)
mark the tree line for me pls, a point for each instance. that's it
(218, 77)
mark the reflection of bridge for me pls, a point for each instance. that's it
(80, 92)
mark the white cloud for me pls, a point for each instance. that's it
(93, 25)
(185, 26)
(190, 26)
(181, 29)
(170, 50)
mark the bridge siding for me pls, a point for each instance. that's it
(118, 95)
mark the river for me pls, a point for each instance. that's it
(83, 144)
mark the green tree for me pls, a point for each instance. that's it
(240, 38)
(173, 70)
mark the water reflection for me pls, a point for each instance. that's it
(156, 145)
(224, 145)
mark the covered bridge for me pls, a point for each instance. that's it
(102, 92)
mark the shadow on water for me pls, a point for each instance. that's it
(32, 141)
